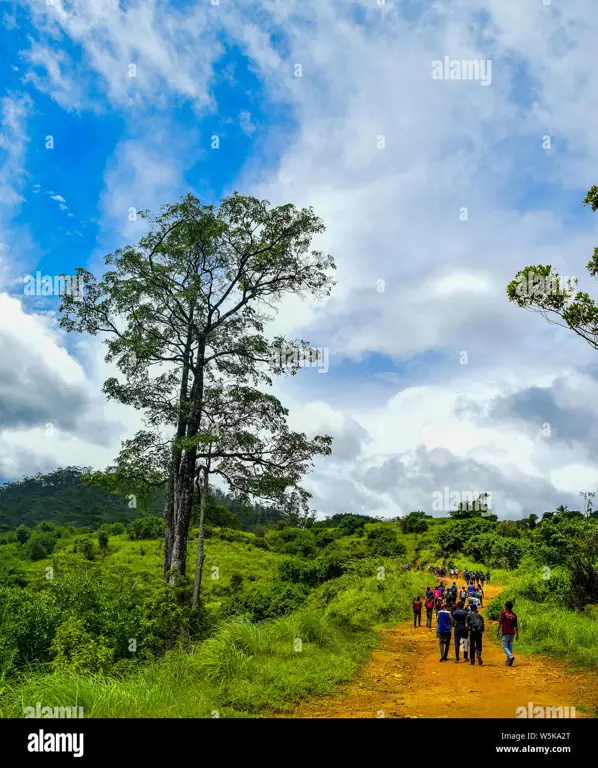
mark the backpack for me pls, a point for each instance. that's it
(476, 621)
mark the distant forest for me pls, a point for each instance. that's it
(62, 498)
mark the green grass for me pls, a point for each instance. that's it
(140, 562)
(244, 669)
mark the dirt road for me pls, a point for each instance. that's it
(404, 678)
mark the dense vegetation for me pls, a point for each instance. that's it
(288, 612)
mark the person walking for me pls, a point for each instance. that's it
(443, 632)
(417, 612)
(460, 615)
(429, 608)
(507, 622)
(475, 624)
(488, 576)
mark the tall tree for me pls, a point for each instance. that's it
(185, 311)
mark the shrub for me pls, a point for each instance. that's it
(259, 605)
(22, 534)
(162, 620)
(325, 536)
(75, 648)
(40, 546)
(299, 572)
(149, 527)
(27, 625)
(85, 547)
(116, 529)
(351, 524)
(103, 540)
(414, 522)
(236, 582)
(384, 542)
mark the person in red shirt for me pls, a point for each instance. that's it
(417, 611)
(429, 609)
(507, 622)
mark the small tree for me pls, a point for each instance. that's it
(103, 541)
(22, 534)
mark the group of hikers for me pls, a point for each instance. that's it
(477, 577)
(458, 609)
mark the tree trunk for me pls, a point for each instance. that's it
(168, 522)
(172, 494)
(185, 479)
(203, 502)
(183, 508)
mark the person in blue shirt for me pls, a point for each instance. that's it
(443, 632)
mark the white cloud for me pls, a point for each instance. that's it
(390, 159)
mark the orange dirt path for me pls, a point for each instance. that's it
(404, 678)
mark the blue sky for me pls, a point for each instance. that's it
(386, 155)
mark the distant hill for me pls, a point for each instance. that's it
(61, 497)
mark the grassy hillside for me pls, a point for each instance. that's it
(287, 612)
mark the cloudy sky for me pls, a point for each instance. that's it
(434, 192)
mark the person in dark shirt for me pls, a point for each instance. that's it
(507, 622)
(475, 624)
(443, 632)
(460, 617)
(429, 608)
(417, 611)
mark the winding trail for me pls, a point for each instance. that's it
(404, 678)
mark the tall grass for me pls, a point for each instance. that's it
(245, 669)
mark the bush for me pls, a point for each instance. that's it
(114, 529)
(299, 572)
(414, 522)
(258, 605)
(384, 543)
(75, 648)
(22, 534)
(27, 625)
(325, 536)
(85, 547)
(163, 619)
(236, 582)
(103, 540)
(40, 546)
(351, 524)
(150, 527)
